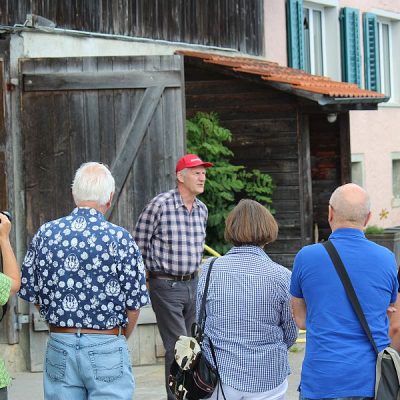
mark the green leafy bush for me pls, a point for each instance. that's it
(226, 183)
(373, 230)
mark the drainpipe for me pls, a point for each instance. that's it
(17, 191)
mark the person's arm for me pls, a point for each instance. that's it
(299, 310)
(133, 316)
(133, 274)
(10, 265)
(145, 227)
(288, 324)
(394, 325)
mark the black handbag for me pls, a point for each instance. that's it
(387, 381)
(194, 378)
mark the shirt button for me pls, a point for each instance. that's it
(77, 347)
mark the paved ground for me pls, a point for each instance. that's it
(149, 381)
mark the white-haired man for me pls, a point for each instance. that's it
(171, 232)
(340, 362)
(86, 275)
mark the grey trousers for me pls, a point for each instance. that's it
(174, 304)
(3, 394)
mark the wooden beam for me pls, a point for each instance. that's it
(305, 179)
(134, 135)
(100, 80)
(345, 150)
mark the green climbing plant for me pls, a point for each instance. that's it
(226, 183)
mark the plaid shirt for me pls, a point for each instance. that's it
(249, 319)
(170, 238)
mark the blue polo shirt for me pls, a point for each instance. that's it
(339, 359)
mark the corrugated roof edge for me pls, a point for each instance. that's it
(321, 89)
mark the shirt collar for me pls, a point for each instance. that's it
(179, 202)
(88, 212)
(248, 249)
(347, 232)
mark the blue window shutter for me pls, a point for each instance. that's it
(371, 52)
(295, 33)
(351, 57)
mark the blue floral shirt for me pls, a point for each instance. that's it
(84, 271)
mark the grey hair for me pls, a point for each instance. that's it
(351, 206)
(93, 182)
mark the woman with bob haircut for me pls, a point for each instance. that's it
(249, 319)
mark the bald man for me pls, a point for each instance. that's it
(340, 362)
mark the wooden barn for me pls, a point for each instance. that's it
(93, 80)
(69, 96)
(287, 123)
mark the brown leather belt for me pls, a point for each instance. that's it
(176, 278)
(114, 331)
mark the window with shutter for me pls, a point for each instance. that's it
(313, 36)
(314, 51)
(350, 35)
(295, 33)
(385, 56)
(371, 52)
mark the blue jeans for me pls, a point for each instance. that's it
(82, 366)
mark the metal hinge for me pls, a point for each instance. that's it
(38, 322)
(21, 319)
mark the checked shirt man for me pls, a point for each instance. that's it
(87, 277)
(170, 233)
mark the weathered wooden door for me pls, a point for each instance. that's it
(127, 112)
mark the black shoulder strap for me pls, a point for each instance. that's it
(202, 312)
(344, 277)
(216, 367)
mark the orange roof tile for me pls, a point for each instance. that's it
(297, 79)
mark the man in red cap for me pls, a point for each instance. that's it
(170, 233)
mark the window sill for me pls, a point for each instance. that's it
(326, 3)
(395, 203)
(390, 104)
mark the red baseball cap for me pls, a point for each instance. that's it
(191, 161)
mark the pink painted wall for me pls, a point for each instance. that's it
(275, 32)
(375, 134)
(364, 5)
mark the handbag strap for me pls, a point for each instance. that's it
(202, 312)
(216, 368)
(202, 321)
(344, 277)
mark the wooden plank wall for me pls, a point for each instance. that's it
(63, 128)
(326, 156)
(235, 24)
(263, 122)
